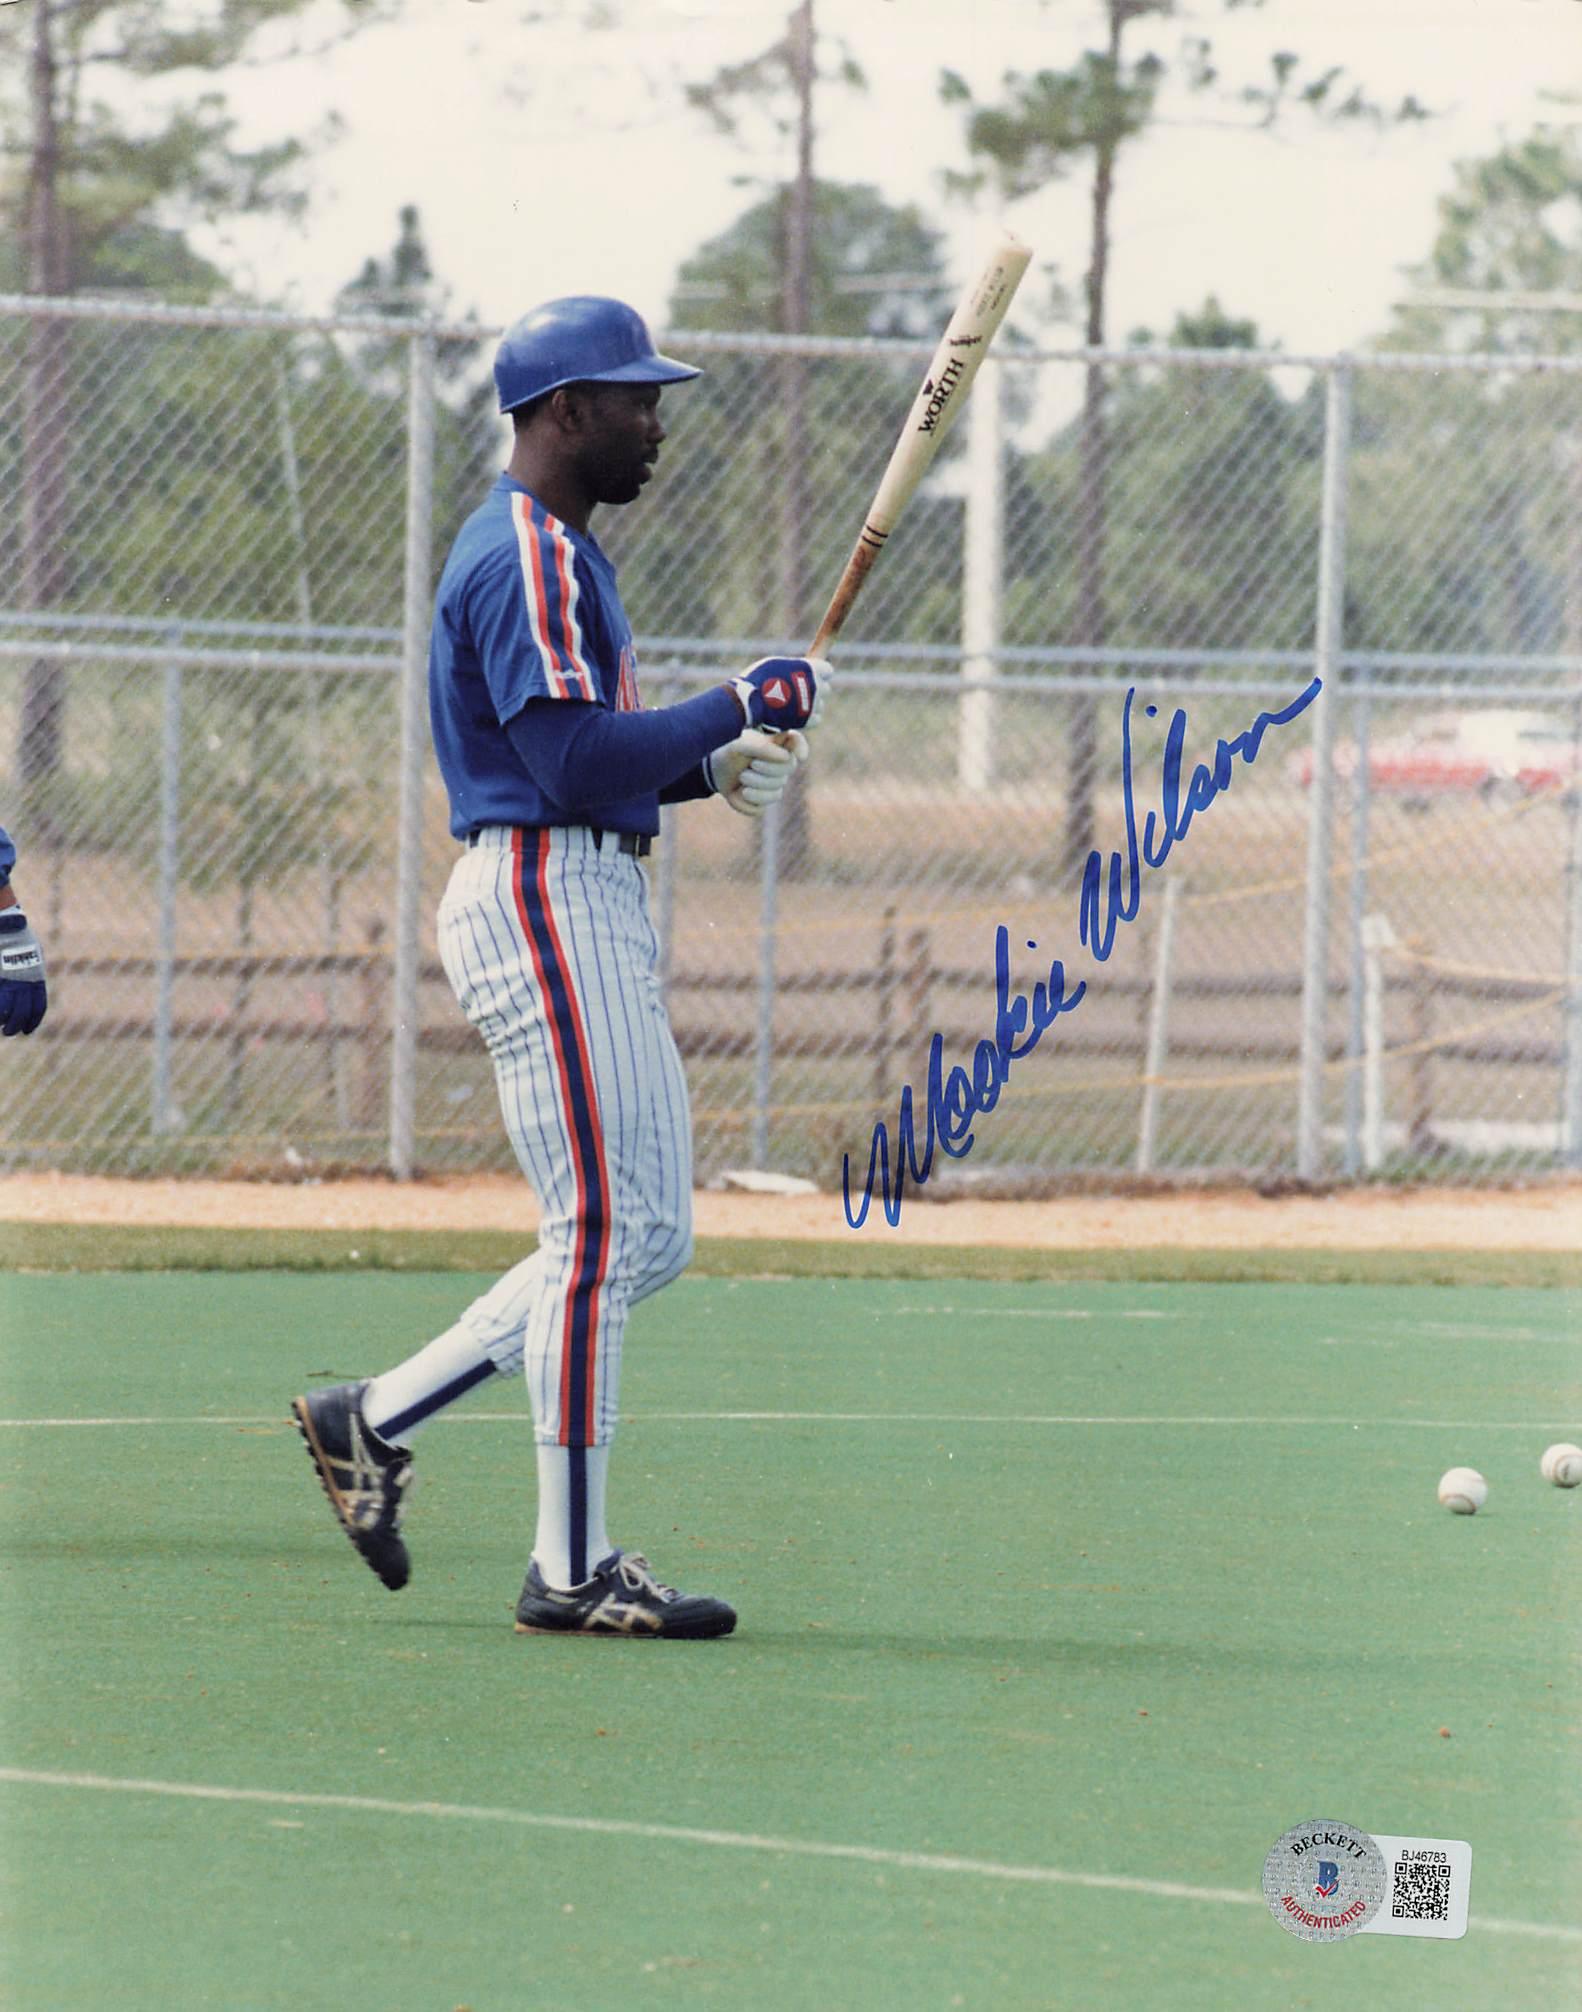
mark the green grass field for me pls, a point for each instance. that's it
(1061, 1599)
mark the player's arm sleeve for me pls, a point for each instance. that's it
(581, 755)
(686, 787)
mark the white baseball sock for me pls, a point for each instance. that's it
(408, 1396)
(571, 1543)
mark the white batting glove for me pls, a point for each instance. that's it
(751, 771)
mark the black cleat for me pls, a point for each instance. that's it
(622, 1598)
(364, 1478)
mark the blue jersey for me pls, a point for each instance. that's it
(527, 609)
(7, 856)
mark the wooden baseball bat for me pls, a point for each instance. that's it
(949, 377)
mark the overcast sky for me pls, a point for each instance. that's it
(551, 159)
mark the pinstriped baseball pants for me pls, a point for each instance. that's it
(548, 945)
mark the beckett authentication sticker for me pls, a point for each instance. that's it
(1430, 1883)
(1324, 1880)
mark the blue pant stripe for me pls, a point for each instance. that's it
(577, 1540)
(436, 1400)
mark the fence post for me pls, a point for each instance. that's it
(1571, 1115)
(373, 1037)
(1420, 1040)
(1329, 637)
(983, 515)
(1571, 1020)
(1571, 1034)
(919, 983)
(163, 1116)
(1158, 1028)
(415, 615)
(1376, 937)
(884, 1006)
(329, 836)
(763, 1039)
(1361, 802)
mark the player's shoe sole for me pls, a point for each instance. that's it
(622, 1598)
(365, 1480)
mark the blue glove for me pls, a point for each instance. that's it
(783, 692)
(22, 995)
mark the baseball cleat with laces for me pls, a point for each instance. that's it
(365, 1479)
(622, 1598)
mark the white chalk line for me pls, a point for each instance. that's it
(1057, 1418)
(255, 1420)
(1024, 1313)
(1382, 1334)
(727, 1840)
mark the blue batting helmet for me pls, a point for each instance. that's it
(583, 338)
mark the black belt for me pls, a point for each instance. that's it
(637, 844)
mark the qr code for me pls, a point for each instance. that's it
(1421, 1891)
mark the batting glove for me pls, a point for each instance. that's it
(751, 771)
(22, 995)
(781, 692)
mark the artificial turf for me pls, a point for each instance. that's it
(1060, 1601)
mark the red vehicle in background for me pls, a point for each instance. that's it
(1493, 753)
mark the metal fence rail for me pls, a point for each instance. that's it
(1362, 957)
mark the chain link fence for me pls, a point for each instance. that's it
(1362, 957)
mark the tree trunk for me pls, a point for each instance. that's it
(43, 513)
(1093, 494)
(796, 842)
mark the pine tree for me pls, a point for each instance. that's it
(92, 208)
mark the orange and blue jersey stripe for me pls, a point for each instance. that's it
(627, 697)
(549, 582)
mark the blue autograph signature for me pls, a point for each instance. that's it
(955, 1099)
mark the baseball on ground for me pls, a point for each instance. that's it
(1562, 1465)
(1463, 1490)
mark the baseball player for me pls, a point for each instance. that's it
(555, 775)
(23, 995)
